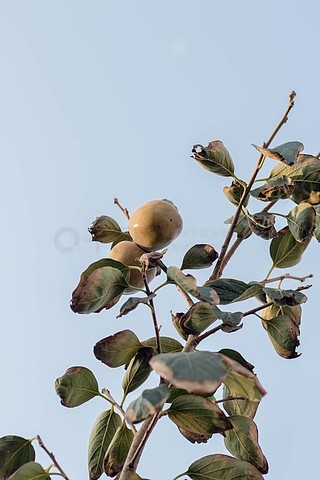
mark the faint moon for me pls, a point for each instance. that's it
(178, 47)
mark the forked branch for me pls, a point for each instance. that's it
(217, 272)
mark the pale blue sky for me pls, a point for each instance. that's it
(101, 99)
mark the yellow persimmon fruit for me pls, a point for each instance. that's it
(155, 224)
(129, 253)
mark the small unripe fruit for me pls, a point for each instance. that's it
(155, 224)
(129, 253)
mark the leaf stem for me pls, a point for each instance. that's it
(217, 272)
(123, 210)
(279, 215)
(269, 273)
(107, 395)
(53, 458)
(161, 286)
(179, 476)
(227, 399)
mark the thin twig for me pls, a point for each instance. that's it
(234, 247)
(286, 276)
(257, 309)
(217, 270)
(153, 313)
(123, 210)
(207, 334)
(53, 458)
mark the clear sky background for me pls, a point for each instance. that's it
(101, 99)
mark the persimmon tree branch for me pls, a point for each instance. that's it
(53, 458)
(137, 446)
(142, 435)
(236, 244)
(153, 313)
(217, 272)
(123, 210)
(286, 276)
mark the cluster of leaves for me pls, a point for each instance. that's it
(17, 460)
(190, 377)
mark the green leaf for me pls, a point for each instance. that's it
(290, 298)
(168, 344)
(262, 224)
(199, 256)
(282, 326)
(138, 370)
(286, 152)
(234, 355)
(242, 442)
(285, 251)
(245, 407)
(215, 158)
(132, 303)
(118, 450)
(305, 174)
(199, 317)
(30, 471)
(149, 402)
(293, 312)
(302, 221)
(195, 437)
(230, 290)
(102, 433)
(77, 386)
(222, 467)
(229, 318)
(14, 452)
(197, 415)
(101, 286)
(105, 229)
(241, 381)
(274, 189)
(196, 372)
(316, 232)
(242, 227)
(235, 192)
(188, 283)
(117, 349)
